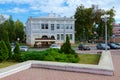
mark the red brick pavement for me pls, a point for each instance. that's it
(47, 74)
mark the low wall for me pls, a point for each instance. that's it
(104, 67)
(14, 69)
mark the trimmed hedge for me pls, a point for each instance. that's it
(49, 55)
(33, 55)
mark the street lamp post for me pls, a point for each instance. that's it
(105, 19)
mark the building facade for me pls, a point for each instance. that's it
(116, 30)
(116, 33)
(50, 29)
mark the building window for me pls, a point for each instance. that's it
(71, 27)
(46, 26)
(58, 37)
(44, 37)
(62, 37)
(67, 26)
(52, 37)
(42, 25)
(70, 36)
(52, 26)
(62, 26)
(58, 26)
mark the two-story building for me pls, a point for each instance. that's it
(116, 33)
(116, 30)
(50, 29)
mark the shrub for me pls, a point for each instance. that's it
(49, 55)
(66, 47)
(17, 53)
(49, 58)
(3, 51)
(9, 49)
(33, 55)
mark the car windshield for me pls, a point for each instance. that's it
(103, 44)
(85, 45)
(54, 45)
(113, 44)
(23, 46)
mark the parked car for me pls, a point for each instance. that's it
(23, 48)
(55, 46)
(117, 43)
(113, 46)
(83, 47)
(102, 46)
(12, 48)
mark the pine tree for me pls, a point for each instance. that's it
(17, 53)
(6, 39)
(66, 47)
(3, 51)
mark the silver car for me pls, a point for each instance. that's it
(55, 46)
(23, 48)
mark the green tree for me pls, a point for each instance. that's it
(101, 28)
(4, 36)
(3, 51)
(85, 19)
(83, 23)
(66, 47)
(9, 49)
(19, 30)
(14, 29)
(6, 40)
(9, 26)
(17, 53)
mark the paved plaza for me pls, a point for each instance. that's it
(48, 74)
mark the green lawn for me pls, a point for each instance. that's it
(7, 63)
(89, 58)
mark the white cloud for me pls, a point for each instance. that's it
(57, 6)
(17, 10)
(6, 16)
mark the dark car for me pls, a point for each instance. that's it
(83, 47)
(113, 46)
(102, 46)
(117, 43)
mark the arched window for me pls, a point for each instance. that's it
(52, 37)
(44, 37)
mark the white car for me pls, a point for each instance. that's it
(55, 46)
(12, 48)
(23, 48)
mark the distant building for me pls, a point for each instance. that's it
(50, 29)
(116, 30)
(116, 33)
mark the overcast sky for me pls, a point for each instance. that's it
(22, 9)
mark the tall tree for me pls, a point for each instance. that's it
(9, 26)
(19, 30)
(101, 28)
(83, 23)
(85, 19)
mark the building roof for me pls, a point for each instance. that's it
(52, 16)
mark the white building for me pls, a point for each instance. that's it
(50, 29)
